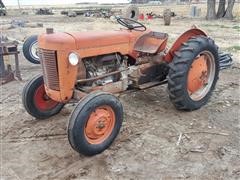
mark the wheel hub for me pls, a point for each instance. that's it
(201, 75)
(42, 101)
(34, 50)
(198, 74)
(100, 124)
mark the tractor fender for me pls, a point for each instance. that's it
(183, 38)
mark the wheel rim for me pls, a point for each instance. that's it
(42, 101)
(100, 125)
(34, 50)
(201, 75)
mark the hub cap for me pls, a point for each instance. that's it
(100, 124)
(42, 101)
(201, 75)
(34, 50)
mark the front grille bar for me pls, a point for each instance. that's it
(48, 59)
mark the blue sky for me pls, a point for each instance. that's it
(51, 2)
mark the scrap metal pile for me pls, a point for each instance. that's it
(104, 13)
(44, 11)
(130, 11)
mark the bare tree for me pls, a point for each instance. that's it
(221, 9)
(229, 14)
(211, 10)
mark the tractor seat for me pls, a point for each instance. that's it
(151, 42)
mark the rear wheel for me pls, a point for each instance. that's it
(30, 49)
(36, 101)
(95, 123)
(193, 73)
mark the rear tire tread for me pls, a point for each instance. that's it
(179, 69)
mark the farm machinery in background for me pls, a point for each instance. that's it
(89, 67)
(44, 11)
(130, 11)
(3, 10)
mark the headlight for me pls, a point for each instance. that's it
(73, 59)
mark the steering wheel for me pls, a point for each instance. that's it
(131, 24)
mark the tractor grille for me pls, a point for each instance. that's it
(48, 61)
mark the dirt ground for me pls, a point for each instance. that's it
(147, 146)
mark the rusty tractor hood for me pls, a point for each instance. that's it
(56, 41)
(82, 40)
(100, 39)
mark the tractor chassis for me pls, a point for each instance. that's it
(118, 88)
(115, 89)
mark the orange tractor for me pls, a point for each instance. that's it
(89, 67)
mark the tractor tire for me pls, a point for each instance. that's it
(36, 102)
(167, 14)
(131, 12)
(193, 73)
(30, 49)
(95, 123)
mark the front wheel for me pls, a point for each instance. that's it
(193, 73)
(95, 123)
(36, 101)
